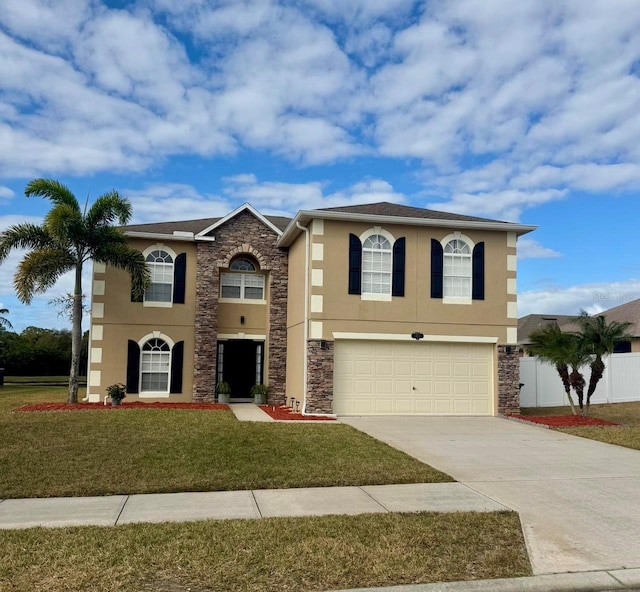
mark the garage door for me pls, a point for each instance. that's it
(387, 377)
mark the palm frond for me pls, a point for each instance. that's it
(24, 236)
(108, 209)
(65, 224)
(39, 271)
(52, 190)
(102, 239)
(130, 260)
(4, 322)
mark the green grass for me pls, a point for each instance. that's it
(49, 380)
(310, 554)
(73, 453)
(626, 414)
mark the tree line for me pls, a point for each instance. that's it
(39, 352)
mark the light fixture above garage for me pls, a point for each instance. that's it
(417, 335)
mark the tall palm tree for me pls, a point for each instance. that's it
(66, 240)
(551, 345)
(4, 322)
(600, 339)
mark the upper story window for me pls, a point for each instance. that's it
(457, 269)
(160, 265)
(155, 366)
(242, 282)
(376, 265)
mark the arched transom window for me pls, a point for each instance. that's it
(155, 366)
(242, 282)
(457, 269)
(160, 265)
(376, 265)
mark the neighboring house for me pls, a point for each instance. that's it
(368, 309)
(534, 322)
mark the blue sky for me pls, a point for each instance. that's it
(526, 111)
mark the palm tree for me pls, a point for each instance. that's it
(577, 356)
(4, 322)
(66, 240)
(551, 345)
(600, 339)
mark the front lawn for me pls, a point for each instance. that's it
(626, 414)
(324, 553)
(70, 453)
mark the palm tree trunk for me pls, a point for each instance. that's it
(76, 336)
(563, 371)
(577, 382)
(597, 371)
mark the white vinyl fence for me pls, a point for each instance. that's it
(542, 386)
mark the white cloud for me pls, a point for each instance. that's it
(593, 298)
(529, 248)
(6, 193)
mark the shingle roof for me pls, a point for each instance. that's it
(194, 226)
(531, 323)
(384, 208)
(629, 312)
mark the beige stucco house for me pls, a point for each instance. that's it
(367, 309)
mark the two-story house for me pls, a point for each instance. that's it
(367, 309)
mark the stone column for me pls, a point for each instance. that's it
(320, 376)
(508, 380)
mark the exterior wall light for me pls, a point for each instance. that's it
(417, 335)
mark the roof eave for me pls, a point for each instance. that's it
(233, 214)
(159, 235)
(305, 216)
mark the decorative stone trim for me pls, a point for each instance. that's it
(244, 249)
(508, 379)
(319, 376)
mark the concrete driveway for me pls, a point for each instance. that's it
(578, 499)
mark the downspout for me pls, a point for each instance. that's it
(306, 316)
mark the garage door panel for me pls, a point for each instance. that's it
(405, 378)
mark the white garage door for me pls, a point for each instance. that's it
(390, 377)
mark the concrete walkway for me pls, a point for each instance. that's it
(249, 412)
(578, 499)
(261, 503)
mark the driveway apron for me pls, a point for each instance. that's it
(578, 499)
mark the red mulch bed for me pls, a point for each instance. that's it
(286, 413)
(564, 421)
(132, 405)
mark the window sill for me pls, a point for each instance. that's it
(376, 297)
(158, 304)
(241, 301)
(456, 300)
(153, 395)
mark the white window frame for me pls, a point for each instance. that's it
(381, 297)
(244, 275)
(466, 299)
(155, 394)
(173, 255)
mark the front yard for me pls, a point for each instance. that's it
(626, 414)
(74, 453)
(333, 552)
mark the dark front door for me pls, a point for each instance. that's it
(242, 366)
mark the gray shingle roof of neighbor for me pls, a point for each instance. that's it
(531, 323)
(194, 226)
(385, 208)
(629, 312)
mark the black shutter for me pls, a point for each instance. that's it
(133, 367)
(179, 278)
(437, 263)
(355, 265)
(477, 290)
(397, 284)
(177, 359)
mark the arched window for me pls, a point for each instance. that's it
(457, 269)
(242, 282)
(160, 265)
(377, 262)
(155, 366)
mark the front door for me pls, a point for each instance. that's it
(241, 365)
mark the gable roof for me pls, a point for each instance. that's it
(244, 207)
(629, 312)
(388, 213)
(531, 323)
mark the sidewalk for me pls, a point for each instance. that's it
(261, 503)
(590, 581)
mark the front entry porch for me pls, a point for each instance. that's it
(240, 363)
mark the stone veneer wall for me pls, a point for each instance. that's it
(242, 234)
(508, 380)
(319, 377)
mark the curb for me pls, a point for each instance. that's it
(591, 581)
